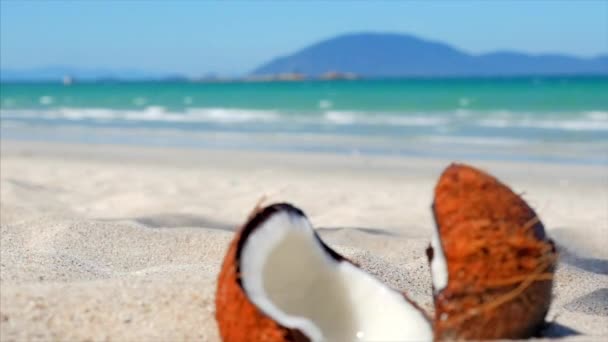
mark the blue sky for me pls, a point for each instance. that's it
(230, 38)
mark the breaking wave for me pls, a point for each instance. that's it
(581, 121)
(152, 113)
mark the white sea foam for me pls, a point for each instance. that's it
(46, 100)
(418, 120)
(360, 118)
(555, 124)
(341, 118)
(151, 113)
(325, 104)
(597, 115)
(224, 115)
(572, 125)
(78, 114)
(461, 119)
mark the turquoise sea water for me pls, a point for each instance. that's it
(562, 119)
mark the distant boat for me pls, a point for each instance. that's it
(67, 80)
(336, 75)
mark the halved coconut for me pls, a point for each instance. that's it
(491, 261)
(280, 282)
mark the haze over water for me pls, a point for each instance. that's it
(559, 119)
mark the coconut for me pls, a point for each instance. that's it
(280, 282)
(491, 262)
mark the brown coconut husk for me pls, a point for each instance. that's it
(500, 262)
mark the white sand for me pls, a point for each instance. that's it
(122, 243)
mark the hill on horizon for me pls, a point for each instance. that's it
(402, 55)
(368, 55)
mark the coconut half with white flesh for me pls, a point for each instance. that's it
(491, 262)
(280, 282)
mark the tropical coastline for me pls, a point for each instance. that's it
(369, 171)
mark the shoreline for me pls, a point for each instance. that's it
(430, 147)
(190, 157)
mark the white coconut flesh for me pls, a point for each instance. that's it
(439, 266)
(288, 275)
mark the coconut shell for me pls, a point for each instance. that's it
(500, 262)
(237, 317)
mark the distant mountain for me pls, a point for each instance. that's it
(57, 73)
(394, 55)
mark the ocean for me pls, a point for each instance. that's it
(543, 119)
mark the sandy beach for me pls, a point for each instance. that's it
(114, 243)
